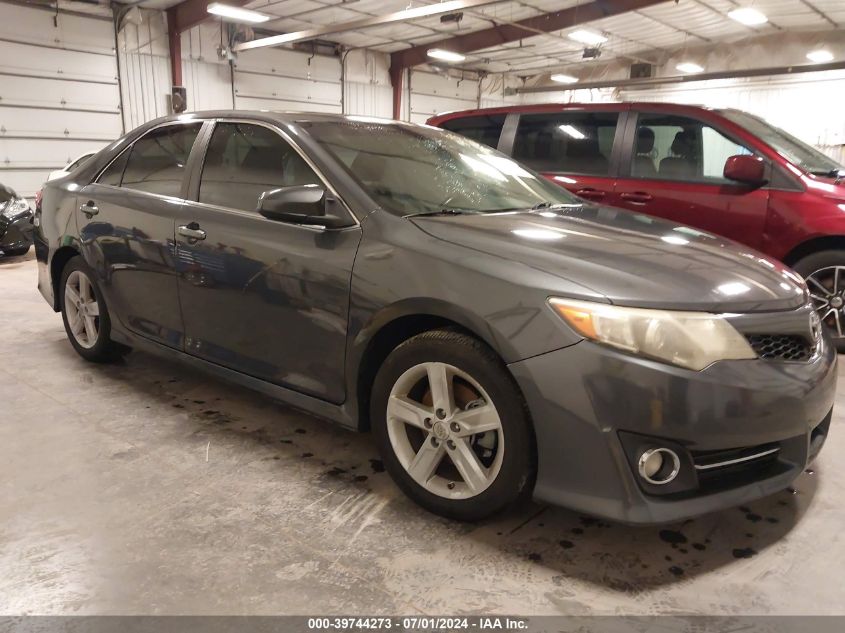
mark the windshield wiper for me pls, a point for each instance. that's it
(440, 212)
(828, 173)
(556, 205)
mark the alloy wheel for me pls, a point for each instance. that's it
(445, 430)
(82, 309)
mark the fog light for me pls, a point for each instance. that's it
(659, 466)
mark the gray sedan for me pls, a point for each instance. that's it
(499, 337)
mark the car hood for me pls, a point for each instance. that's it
(631, 259)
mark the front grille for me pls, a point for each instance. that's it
(780, 346)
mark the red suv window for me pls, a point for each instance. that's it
(570, 142)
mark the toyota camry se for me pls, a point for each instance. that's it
(500, 337)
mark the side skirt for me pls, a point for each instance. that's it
(342, 414)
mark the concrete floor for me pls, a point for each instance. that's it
(150, 488)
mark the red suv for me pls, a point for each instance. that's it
(723, 171)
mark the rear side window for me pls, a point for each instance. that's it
(484, 129)
(243, 161)
(113, 174)
(571, 142)
(156, 162)
(672, 147)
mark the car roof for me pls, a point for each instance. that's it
(277, 116)
(658, 106)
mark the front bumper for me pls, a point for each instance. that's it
(594, 408)
(15, 234)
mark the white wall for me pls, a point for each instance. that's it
(59, 92)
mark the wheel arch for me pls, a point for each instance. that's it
(814, 245)
(396, 324)
(57, 264)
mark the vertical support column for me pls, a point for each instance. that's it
(396, 76)
(174, 40)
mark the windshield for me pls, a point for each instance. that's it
(796, 151)
(411, 169)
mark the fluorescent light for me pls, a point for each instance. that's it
(820, 56)
(446, 56)
(571, 131)
(748, 16)
(236, 13)
(564, 79)
(587, 37)
(689, 67)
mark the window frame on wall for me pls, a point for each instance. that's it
(511, 131)
(628, 152)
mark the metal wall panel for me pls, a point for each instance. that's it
(278, 79)
(59, 93)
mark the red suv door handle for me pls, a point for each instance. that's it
(590, 193)
(637, 197)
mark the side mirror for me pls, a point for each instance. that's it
(301, 204)
(747, 169)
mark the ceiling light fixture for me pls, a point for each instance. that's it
(820, 56)
(748, 16)
(236, 14)
(689, 67)
(571, 130)
(590, 38)
(564, 79)
(446, 56)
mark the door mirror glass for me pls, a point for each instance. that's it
(747, 169)
(301, 204)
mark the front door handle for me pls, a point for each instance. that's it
(637, 197)
(191, 231)
(89, 209)
(590, 193)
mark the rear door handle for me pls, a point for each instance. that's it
(192, 231)
(590, 193)
(637, 197)
(89, 209)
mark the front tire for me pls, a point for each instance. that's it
(452, 427)
(85, 315)
(825, 275)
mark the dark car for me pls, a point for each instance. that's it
(15, 223)
(498, 335)
(720, 170)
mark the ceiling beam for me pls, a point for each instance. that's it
(683, 79)
(405, 15)
(188, 14)
(521, 29)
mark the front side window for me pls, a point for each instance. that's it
(244, 160)
(411, 169)
(672, 147)
(482, 129)
(793, 149)
(570, 142)
(156, 162)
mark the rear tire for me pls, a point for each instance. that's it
(85, 315)
(452, 426)
(825, 275)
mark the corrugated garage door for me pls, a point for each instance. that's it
(59, 93)
(275, 79)
(432, 94)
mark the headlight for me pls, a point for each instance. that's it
(688, 339)
(15, 207)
